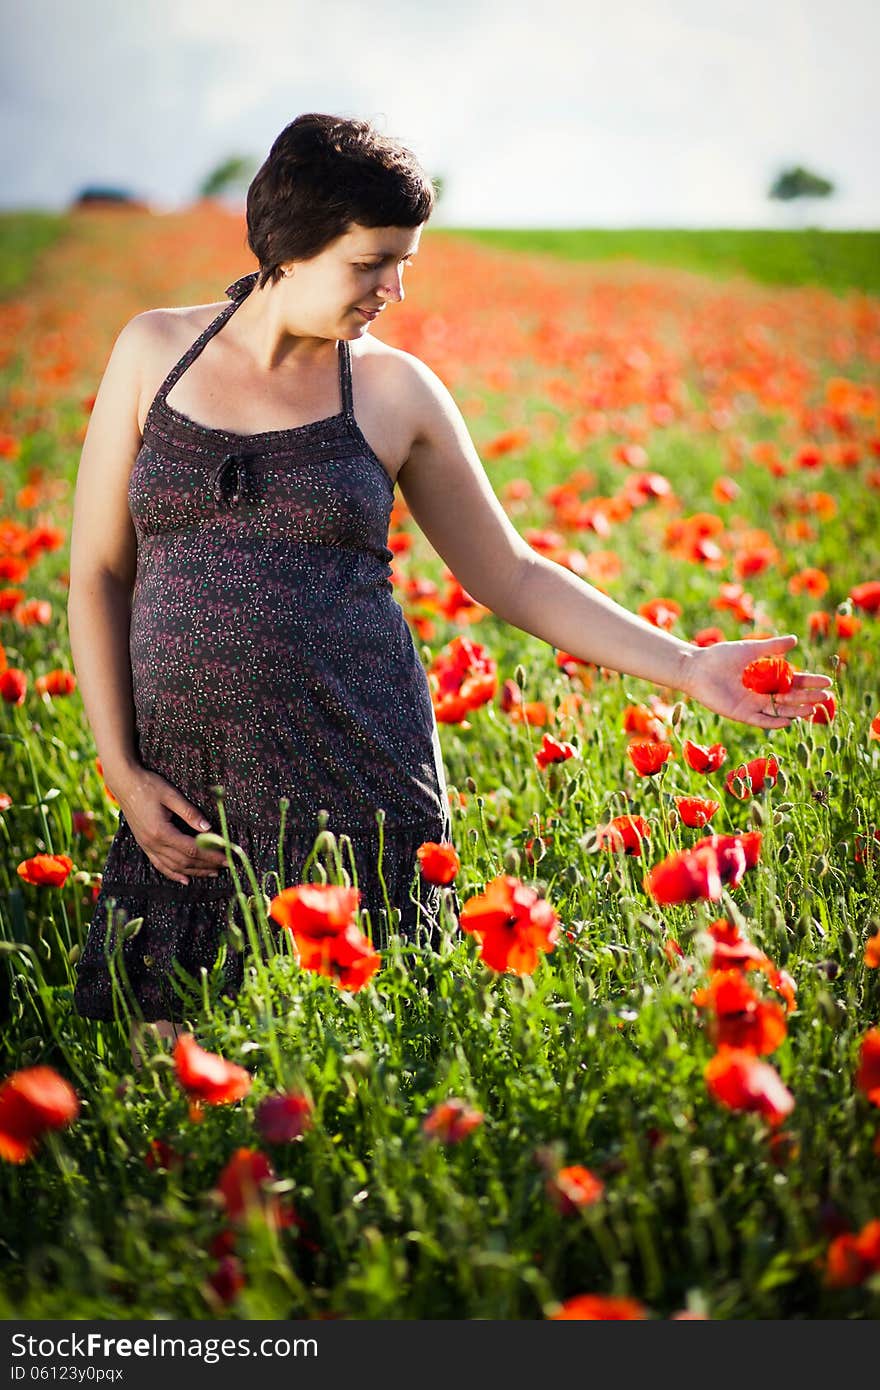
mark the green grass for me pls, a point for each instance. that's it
(23, 237)
(597, 1059)
(838, 261)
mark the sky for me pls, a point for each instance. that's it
(590, 113)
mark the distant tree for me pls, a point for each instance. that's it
(231, 176)
(798, 182)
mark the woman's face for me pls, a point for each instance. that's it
(361, 270)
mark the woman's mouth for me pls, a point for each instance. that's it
(369, 314)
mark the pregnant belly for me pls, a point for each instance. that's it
(299, 680)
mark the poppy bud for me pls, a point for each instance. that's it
(512, 862)
(519, 676)
(679, 710)
(73, 954)
(835, 743)
(784, 853)
(803, 754)
(470, 784)
(756, 813)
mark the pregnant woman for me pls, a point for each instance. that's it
(231, 614)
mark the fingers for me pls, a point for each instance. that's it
(809, 680)
(768, 645)
(183, 857)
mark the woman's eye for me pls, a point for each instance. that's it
(358, 266)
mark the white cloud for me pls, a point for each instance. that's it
(575, 113)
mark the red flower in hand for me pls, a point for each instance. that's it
(714, 676)
(769, 675)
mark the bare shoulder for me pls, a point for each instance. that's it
(160, 337)
(407, 383)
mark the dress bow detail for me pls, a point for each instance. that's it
(232, 465)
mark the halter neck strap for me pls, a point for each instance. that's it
(238, 291)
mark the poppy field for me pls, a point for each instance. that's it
(642, 1078)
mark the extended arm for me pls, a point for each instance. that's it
(452, 501)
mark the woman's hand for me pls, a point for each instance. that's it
(713, 675)
(148, 803)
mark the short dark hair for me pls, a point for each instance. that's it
(322, 174)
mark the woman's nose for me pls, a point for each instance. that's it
(393, 289)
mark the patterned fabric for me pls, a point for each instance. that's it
(269, 660)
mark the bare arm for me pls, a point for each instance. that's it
(103, 557)
(451, 499)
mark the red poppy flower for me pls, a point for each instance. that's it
(661, 612)
(731, 950)
(281, 1119)
(624, 833)
(708, 637)
(742, 1020)
(749, 778)
(347, 958)
(462, 677)
(161, 1155)
(769, 675)
(810, 581)
(868, 1073)
(872, 952)
(704, 759)
(316, 909)
(684, 876)
(439, 863)
(13, 685)
(552, 751)
(206, 1077)
(648, 755)
(846, 624)
(738, 1079)
(242, 1184)
(513, 923)
(639, 719)
(321, 919)
(228, 1280)
(50, 870)
(732, 853)
(570, 1189)
(224, 1242)
(781, 981)
(696, 811)
(824, 710)
(597, 1307)
(32, 1102)
(672, 951)
(451, 1121)
(55, 683)
(852, 1259)
(867, 596)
